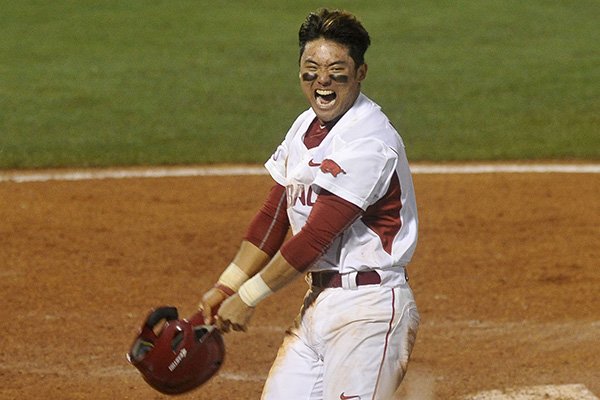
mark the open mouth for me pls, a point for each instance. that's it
(325, 97)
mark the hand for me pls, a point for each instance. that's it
(209, 305)
(234, 314)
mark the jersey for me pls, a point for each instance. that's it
(362, 160)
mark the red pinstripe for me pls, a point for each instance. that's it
(387, 336)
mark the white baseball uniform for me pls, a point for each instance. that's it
(354, 341)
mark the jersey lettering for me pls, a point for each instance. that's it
(307, 197)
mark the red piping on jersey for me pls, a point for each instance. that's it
(387, 337)
(270, 225)
(282, 202)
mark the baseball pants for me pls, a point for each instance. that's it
(346, 344)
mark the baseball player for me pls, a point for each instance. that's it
(343, 186)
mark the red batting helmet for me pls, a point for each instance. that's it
(179, 358)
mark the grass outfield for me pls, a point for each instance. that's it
(99, 83)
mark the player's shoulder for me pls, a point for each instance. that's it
(367, 122)
(300, 124)
(306, 117)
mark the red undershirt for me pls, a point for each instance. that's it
(329, 217)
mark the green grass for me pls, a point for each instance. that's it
(98, 83)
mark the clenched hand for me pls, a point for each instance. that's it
(234, 314)
(210, 303)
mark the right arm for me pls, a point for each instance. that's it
(263, 239)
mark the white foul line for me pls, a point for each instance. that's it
(506, 168)
(158, 172)
(125, 173)
(545, 392)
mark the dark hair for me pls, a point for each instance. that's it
(338, 26)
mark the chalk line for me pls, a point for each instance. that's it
(544, 392)
(169, 172)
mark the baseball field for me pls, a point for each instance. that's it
(131, 143)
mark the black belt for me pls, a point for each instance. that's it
(332, 279)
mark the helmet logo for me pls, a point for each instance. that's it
(178, 360)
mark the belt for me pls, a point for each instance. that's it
(333, 279)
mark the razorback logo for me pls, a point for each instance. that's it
(330, 166)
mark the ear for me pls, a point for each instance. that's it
(361, 73)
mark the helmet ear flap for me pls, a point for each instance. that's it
(148, 335)
(166, 313)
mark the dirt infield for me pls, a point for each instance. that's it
(506, 276)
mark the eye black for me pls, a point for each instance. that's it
(339, 78)
(309, 76)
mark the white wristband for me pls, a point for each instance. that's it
(254, 291)
(233, 277)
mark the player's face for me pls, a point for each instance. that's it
(329, 78)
